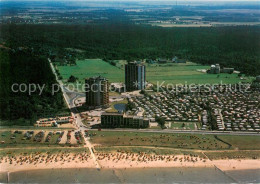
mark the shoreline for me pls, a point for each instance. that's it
(78, 161)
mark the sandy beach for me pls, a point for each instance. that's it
(45, 161)
(119, 160)
(232, 164)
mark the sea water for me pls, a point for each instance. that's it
(140, 175)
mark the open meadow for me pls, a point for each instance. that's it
(242, 142)
(187, 73)
(92, 67)
(168, 73)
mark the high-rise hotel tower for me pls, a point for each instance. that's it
(97, 91)
(134, 76)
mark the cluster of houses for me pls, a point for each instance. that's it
(53, 122)
(175, 59)
(169, 106)
(228, 110)
(237, 111)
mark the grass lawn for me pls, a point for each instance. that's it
(185, 141)
(171, 73)
(6, 136)
(244, 142)
(186, 73)
(92, 67)
(179, 125)
(54, 139)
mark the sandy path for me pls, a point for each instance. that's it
(73, 140)
(64, 138)
(93, 156)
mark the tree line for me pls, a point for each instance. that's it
(18, 107)
(236, 46)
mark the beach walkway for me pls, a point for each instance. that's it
(93, 156)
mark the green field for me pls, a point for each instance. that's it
(181, 73)
(175, 140)
(181, 141)
(242, 142)
(169, 73)
(19, 140)
(179, 125)
(92, 67)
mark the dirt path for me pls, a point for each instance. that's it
(64, 138)
(73, 139)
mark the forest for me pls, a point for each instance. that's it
(234, 46)
(22, 108)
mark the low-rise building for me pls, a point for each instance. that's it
(50, 122)
(227, 70)
(120, 120)
(214, 69)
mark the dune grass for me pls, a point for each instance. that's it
(180, 141)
